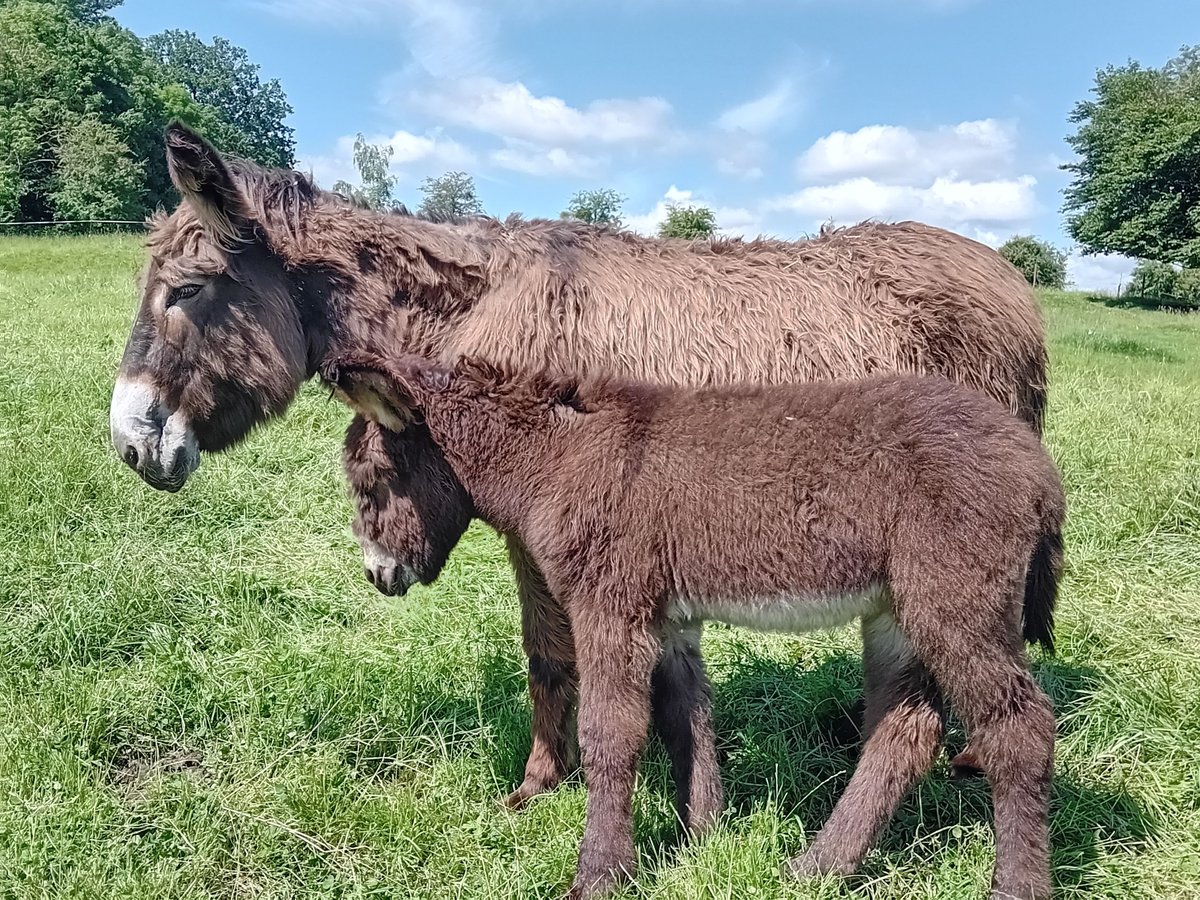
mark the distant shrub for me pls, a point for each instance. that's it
(1164, 283)
(1042, 264)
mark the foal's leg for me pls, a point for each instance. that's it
(683, 718)
(1010, 726)
(552, 678)
(617, 653)
(903, 724)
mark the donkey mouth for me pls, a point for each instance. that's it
(156, 443)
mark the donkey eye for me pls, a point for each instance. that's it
(182, 293)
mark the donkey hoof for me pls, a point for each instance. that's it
(528, 789)
(599, 883)
(965, 766)
(813, 864)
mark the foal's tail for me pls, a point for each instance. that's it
(1041, 584)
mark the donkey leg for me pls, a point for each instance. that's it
(552, 678)
(682, 707)
(617, 655)
(903, 722)
(1010, 726)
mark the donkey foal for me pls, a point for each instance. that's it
(920, 506)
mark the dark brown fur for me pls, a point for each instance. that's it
(290, 274)
(648, 509)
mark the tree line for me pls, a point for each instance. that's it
(83, 105)
(453, 196)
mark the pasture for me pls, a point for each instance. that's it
(203, 697)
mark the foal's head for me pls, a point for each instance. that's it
(219, 343)
(411, 508)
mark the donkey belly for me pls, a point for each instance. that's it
(782, 612)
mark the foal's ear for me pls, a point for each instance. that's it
(372, 389)
(204, 180)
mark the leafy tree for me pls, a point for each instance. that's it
(250, 113)
(450, 197)
(1042, 264)
(64, 82)
(372, 162)
(1135, 188)
(1164, 283)
(688, 222)
(95, 177)
(91, 10)
(601, 207)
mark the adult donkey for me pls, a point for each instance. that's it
(258, 277)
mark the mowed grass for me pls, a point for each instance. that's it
(201, 696)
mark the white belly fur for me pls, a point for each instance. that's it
(784, 612)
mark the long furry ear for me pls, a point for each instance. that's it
(391, 394)
(207, 184)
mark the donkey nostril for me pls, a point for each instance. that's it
(131, 456)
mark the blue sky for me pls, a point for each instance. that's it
(779, 114)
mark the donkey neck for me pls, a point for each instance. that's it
(496, 455)
(383, 283)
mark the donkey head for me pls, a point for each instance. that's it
(218, 344)
(411, 509)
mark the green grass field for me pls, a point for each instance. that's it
(203, 697)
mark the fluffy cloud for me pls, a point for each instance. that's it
(897, 155)
(947, 201)
(429, 153)
(1103, 272)
(540, 162)
(512, 111)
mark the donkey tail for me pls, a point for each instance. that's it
(1041, 588)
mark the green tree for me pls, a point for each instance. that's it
(250, 113)
(372, 161)
(1166, 284)
(1135, 188)
(64, 81)
(1042, 264)
(90, 10)
(688, 222)
(451, 196)
(602, 207)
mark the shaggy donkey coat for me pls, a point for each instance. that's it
(913, 503)
(258, 276)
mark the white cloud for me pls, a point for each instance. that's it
(762, 113)
(431, 152)
(948, 201)
(511, 110)
(1103, 272)
(897, 155)
(555, 161)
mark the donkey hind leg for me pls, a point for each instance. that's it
(903, 722)
(682, 710)
(552, 679)
(617, 655)
(1010, 727)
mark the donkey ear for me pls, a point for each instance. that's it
(204, 180)
(369, 386)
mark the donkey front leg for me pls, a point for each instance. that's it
(617, 655)
(552, 678)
